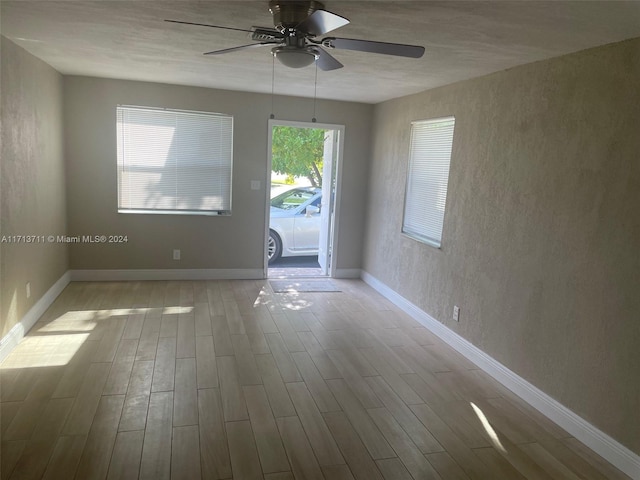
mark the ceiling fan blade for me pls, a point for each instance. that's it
(264, 34)
(241, 47)
(212, 26)
(326, 61)
(321, 22)
(398, 49)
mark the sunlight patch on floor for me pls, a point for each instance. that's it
(493, 436)
(176, 310)
(263, 298)
(45, 351)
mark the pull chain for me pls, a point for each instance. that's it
(273, 80)
(315, 94)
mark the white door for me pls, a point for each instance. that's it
(328, 190)
(306, 231)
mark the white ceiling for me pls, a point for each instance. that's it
(463, 39)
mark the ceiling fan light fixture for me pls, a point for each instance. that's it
(294, 57)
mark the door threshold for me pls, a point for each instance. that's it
(295, 272)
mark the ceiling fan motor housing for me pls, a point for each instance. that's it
(289, 13)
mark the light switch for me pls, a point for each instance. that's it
(255, 184)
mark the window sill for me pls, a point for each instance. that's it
(216, 213)
(424, 240)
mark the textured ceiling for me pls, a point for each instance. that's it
(463, 39)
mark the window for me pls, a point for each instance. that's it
(293, 198)
(426, 191)
(173, 161)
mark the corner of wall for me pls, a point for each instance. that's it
(20, 329)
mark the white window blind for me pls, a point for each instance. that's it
(426, 191)
(173, 161)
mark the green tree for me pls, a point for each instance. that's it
(297, 152)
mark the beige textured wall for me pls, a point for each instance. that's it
(234, 242)
(541, 237)
(32, 180)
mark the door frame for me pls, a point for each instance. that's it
(337, 165)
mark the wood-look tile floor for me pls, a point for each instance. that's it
(225, 379)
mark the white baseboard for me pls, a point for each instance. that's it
(17, 333)
(167, 274)
(613, 451)
(347, 273)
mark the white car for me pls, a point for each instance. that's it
(294, 224)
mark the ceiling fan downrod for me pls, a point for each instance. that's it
(289, 14)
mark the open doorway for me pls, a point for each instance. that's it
(304, 172)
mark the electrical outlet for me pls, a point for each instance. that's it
(176, 254)
(28, 289)
(456, 313)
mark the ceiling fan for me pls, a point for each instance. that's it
(294, 42)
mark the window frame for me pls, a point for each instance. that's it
(427, 237)
(173, 211)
